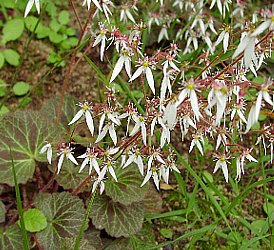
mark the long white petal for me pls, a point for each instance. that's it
(49, 155)
(194, 104)
(156, 179)
(84, 163)
(147, 177)
(111, 171)
(249, 52)
(102, 134)
(28, 7)
(96, 166)
(241, 47)
(77, 116)
(89, 122)
(150, 80)
(225, 41)
(72, 159)
(136, 73)
(97, 4)
(261, 28)
(60, 162)
(144, 133)
(37, 5)
(117, 69)
(128, 66)
(225, 171)
(140, 164)
(112, 133)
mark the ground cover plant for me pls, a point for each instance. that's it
(136, 124)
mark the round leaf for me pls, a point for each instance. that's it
(69, 177)
(11, 238)
(117, 219)
(127, 189)
(65, 214)
(25, 133)
(63, 17)
(35, 220)
(12, 30)
(20, 88)
(12, 57)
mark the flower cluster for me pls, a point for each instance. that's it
(219, 105)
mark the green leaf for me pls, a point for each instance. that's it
(127, 189)
(11, 238)
(41, 30)
(2, 60)
(55, 37)
(63, 17)
(12, 30)
(64, 213)
(20, 88)
(117, 219)
(142, 240)
(12, 57)
(69, 109)
(55, 25)
(2, 88)
(259, 227)
(4, 110)
(2, 212)
(26, 133)
(166, 232)
(35, 220)
(268, 208)
(69, 177)
(152, 202)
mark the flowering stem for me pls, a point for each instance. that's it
(76, 15)
(85, 221)
(241, 56)
(70, 68)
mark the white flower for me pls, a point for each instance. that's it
(239, 109)
(198, 141)
(47, 148)
(152, 172)
(224, 36)
(166, 84)
(155, 156)
(163, 34)
(130, 112)
(86, 109)
(137, 159)
(221, 163)
(99, 181)
(88, 2)
(222, 5)
(165, 170)
(139, 124)
(240, 162)
(269, 23)
(144, 67)
(90, 158)
(221, 138)
(108, 167)
(247, 45)
(106, 9)
(189, 91)
(218, 96)
(101, 38)
(65, 151)
(124, 59)
(29, 6)
(169, 62)
(112, 120)
(125, 13)
(254, 112)
(185, 122)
